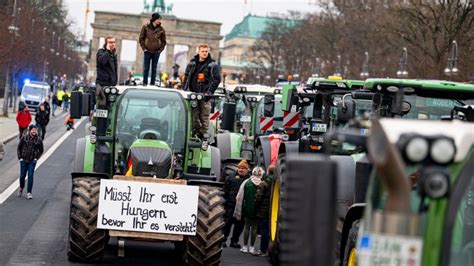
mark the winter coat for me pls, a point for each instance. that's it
(152, 39)
(263, 196)
(47, 107)
(245, 200)
(30, 148)
(231, 188)
(212, 74)
(60, 94)
(106, 68)
(42, 118)
(23, 118)
(55, 100)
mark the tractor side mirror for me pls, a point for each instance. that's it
(310, 210)
(290, 99)
(269, 105)
(76, 104)
(228, 116)
(86, 104)
(345, 111)
(397, 103)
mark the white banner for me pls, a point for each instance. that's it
(148, 207)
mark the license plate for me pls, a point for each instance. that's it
(246, 118)
(316, 127)
(376, 249)
(101, 113)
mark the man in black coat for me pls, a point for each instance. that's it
(202, 75)
(106, 69)
(29, 151)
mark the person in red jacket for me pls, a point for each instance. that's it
(23, 118)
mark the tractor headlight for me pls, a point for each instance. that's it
(194, 103)
(113, 91)
(107, 90)
(193, 96)
(417, 149)
(199, 97)
(443, 150)
(436, 185)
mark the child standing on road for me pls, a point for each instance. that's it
(245, 208)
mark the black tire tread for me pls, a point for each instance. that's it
(86, 242)
(274, 246)
(351, 241)
(206, 247)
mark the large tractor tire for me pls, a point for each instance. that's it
(276, 210)
(350, 252)
(206, 247)
(86, 242)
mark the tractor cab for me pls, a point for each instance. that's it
(419, 99)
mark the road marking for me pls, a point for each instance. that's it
(14, 186)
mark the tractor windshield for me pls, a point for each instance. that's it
(151, 114)
(431, 108)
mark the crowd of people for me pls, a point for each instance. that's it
(247, 203)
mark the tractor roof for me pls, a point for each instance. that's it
(250, 88)
(437, 85)
(123, 88)
(335, 83)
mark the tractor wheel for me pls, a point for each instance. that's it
(86, 242)
(350, 252)
(259, 157)
(228, 170)
(206, 247)
(276, 213)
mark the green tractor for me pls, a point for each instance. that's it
(144, 135)
(419, 201)
(235, 124)
(406, 99)
(322, 105)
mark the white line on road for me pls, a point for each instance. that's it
(15, 185)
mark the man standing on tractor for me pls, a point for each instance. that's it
(106, 69)
(202, 75)
(153, 41)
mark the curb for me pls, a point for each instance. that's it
(10, 138)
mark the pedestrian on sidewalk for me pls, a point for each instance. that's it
(231, 188)
(47, 106)
(42, 120)
(262, 205)
(23, 118)
(29, 151)
(245, 208)
(55, 103)
(152, 41)
(66, 98)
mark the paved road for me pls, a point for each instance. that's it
(34, 232)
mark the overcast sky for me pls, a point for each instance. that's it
(228, 12)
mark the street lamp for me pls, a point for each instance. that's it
(317, 70)
(402, 71)
(59, 46)
(365, 67)
(52, 43)
(338, 66)
(452, 68)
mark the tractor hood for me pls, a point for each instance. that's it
(150, 158)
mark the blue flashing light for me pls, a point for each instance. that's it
(27, 81)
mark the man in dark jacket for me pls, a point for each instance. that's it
(42, 120)
(29, 151)
(202, 75)
(106, 69)
(153, 41)
(262, 205)
(231, 188)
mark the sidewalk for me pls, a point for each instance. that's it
(8, 125)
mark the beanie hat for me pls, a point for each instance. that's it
(32, 126)
(155, 16)
(243, 164)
